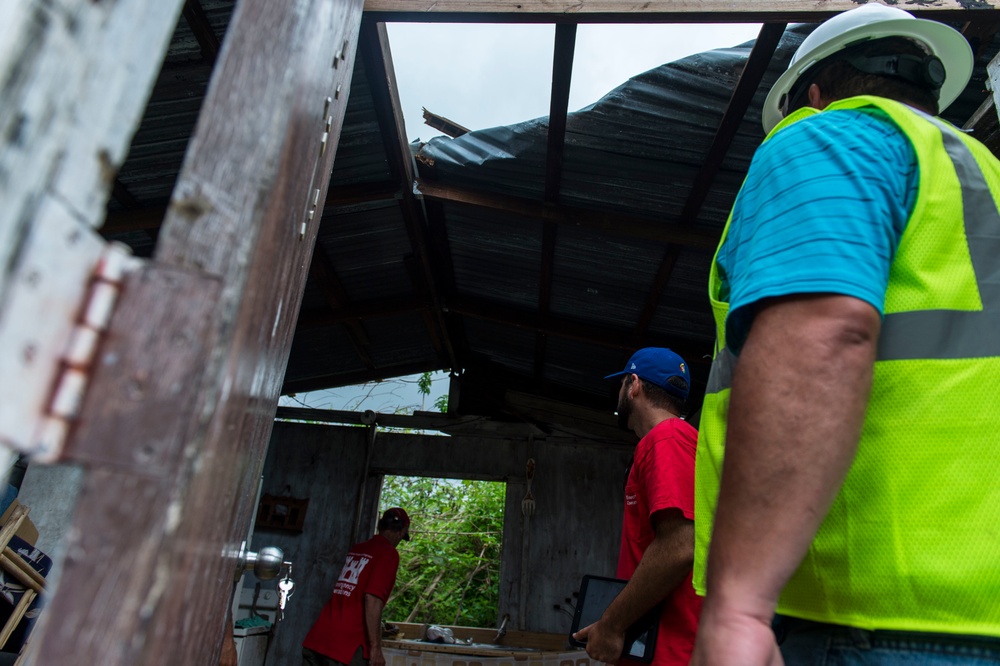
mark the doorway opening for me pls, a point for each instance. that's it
(449, 572)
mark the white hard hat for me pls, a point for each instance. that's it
(875, 21)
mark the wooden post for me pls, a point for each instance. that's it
(174, 427)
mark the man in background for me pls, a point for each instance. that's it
(348, 631)
(852, 396)
(657, 545)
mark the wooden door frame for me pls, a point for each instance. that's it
(173, 429)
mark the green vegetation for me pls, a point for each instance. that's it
(449, 572)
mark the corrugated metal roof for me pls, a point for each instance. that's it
(637, 150)
(417, 283)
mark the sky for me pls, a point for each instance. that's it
(390, 396)
(488, 75)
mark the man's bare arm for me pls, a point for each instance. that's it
(800, 390)
(664, 565)
(373, 629)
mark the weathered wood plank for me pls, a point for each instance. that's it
(69, 105)
(240, 216)
(157, 346)
(75, 77)
(377, 58)
(615, 11)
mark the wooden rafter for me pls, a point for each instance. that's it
(444, 125)
(753, 72)
(985, 126)
(562, 74)
(629, 226)
(197, 20)
(121, 194)
(374, 51)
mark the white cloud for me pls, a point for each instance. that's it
(485, 75)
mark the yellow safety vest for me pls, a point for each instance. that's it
(912, 541)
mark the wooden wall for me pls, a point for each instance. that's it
(575, 528)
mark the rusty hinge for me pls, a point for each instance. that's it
(76, 364)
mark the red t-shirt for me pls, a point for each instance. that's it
(662, 477)
(370, 568)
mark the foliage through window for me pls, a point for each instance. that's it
(449, 573)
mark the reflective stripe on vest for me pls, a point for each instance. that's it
(928, 334)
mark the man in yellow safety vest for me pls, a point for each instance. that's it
(854, 392)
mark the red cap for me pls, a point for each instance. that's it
(398, 519)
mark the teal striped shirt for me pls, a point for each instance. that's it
(822, 210)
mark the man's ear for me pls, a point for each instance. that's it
(634, 386)
(816, 98)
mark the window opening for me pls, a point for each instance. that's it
(449, 572)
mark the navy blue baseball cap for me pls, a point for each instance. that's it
(657, 365)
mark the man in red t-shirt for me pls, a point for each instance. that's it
(349, 628)
(657, 547)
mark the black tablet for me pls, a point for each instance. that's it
(596, 594)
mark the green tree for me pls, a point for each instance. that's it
(449, 573)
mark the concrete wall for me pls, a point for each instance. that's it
(574, 530)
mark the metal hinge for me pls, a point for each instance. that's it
(76, 364)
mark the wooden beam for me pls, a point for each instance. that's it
(656, 11)
(377, 60)
(749, 81)
(984, 125)
(173, 430)
(121, 194)
(741, 99)
(653, 229)
(562, 74)
(318, 382)
(481, 425)
(443, 125)
(197, 20)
